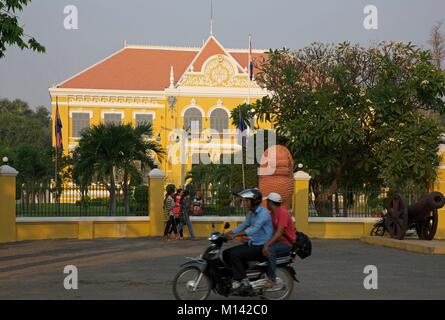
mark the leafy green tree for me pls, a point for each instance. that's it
(338, 105)
(25, 138)
(34, 166)
(11, 33)
(19, 124)
(246, 111)
(107, 153)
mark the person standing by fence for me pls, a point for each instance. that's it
(198, 204)
(186, 211)
(169, 205)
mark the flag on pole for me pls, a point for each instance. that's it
(242, 127)
(58, 128)
(250, 59)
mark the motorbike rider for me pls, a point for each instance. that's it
(255, 231)
(283, 239)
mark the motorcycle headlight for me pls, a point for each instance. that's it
(213, 237)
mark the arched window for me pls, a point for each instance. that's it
(192, 115)
(219, 120)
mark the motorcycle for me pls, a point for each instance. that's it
(209, 272)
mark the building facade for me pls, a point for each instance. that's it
(186, 93)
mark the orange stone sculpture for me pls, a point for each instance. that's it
(276, 173)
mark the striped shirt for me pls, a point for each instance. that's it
(169, 205)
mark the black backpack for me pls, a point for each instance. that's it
(302, 246)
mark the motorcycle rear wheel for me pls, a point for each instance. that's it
(184, 281)
(286, 279)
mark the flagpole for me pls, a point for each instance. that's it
(55, 133)
(248, 103)
(248, 69)
(242, 167)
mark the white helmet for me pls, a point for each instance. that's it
(273, 196)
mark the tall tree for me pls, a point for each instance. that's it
(437, 43)
(19, 124)
(11, 33)
(338, 106)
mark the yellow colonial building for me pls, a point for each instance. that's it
(171, 87)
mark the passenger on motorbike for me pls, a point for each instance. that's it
(255, 231)
(284, 235)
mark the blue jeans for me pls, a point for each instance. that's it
(187, 221)
(278, 249)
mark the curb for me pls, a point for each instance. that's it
(434, 247)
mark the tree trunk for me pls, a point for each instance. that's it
(323, 198)
(112, 196)
(33, 199)
(337, 205)
(126, 195)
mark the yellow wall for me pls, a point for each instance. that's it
(129, 229)
(338, 230)
(439, 185)
(7, 208)
(46, 230)
(79, 230)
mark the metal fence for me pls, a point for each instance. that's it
(69, 201)
(221, 203)
(356, 203)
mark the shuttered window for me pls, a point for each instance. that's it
(80, 121)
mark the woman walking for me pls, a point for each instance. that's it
(186, 211)
(177, 211)
(169, 205)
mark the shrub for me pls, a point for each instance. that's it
(141, 196)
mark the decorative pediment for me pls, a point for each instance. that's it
(218, 71)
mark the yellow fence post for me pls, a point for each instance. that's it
(300, 200)
(7, 204)
(439, 185)
(156, 202)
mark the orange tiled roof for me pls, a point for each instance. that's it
(148, 68)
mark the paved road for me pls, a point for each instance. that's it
(143, 269)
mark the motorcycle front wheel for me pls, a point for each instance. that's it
(378, 230)
(191, 284)
(284, 286)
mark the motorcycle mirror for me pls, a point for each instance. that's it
(226, 225)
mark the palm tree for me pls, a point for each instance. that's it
(246, 110)
(107, 149)
(137, 149)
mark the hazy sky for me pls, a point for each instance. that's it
(104, 25)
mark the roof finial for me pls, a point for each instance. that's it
(211, 17)
(172, 78)
(125, 43)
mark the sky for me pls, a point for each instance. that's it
(105, 25)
